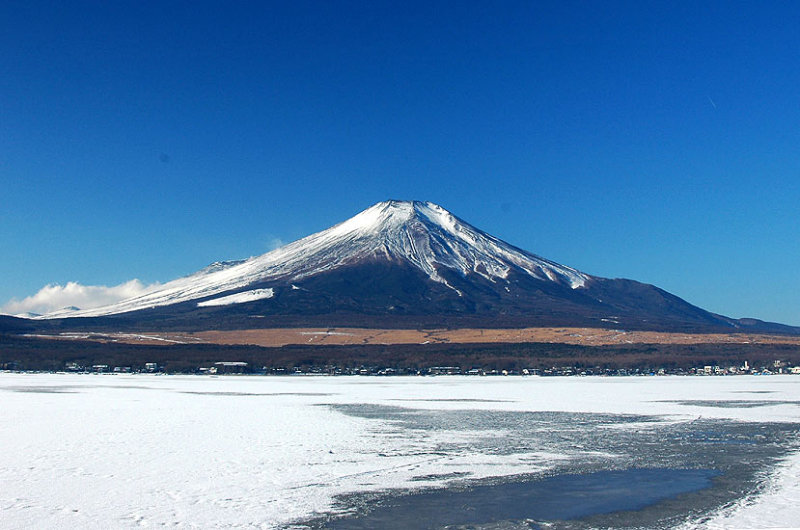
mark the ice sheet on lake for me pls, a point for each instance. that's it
(118, 451)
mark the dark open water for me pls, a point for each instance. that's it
(557, 498)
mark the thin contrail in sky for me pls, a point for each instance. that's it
(712, 103)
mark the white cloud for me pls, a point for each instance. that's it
(52, 297)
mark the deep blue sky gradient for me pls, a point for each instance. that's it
(652, 141)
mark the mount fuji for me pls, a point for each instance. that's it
(401, 264)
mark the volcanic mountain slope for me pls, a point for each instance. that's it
(13, 325)
(401, 264)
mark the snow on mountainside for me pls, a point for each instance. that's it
(421, 234)
(239, 298)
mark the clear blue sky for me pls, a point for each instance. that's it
(627, 139)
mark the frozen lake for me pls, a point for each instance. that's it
(123, 451)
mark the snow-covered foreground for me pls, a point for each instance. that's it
(103, 451)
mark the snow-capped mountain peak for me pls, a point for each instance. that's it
(421, 234)
(430, 237)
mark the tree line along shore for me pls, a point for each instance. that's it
(30, 353)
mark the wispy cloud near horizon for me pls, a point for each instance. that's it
(52, 297)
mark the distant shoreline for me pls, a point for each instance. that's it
(362, 351)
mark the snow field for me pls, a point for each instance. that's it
(239, 298)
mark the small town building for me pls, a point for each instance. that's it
(230, 367)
